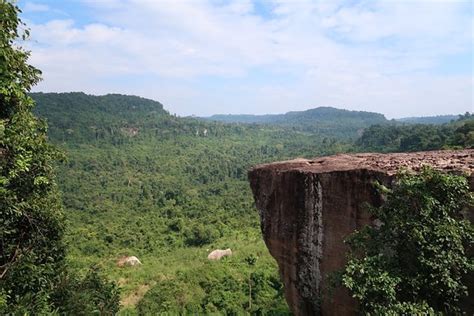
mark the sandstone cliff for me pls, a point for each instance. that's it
(308, 207)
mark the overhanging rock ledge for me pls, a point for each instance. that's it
(308, 207)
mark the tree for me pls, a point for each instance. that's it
(34, 278)
(414, 262)
(93, 294)
(251, 260)
(31, 221)
(464, 135)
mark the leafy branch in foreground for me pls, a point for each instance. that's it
(33, 271)
(31, 221)
(414, 262)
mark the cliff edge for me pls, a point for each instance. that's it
(308, 207)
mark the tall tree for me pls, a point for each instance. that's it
(31, 220)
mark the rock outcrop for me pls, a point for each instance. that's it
(128, 261)
(308, 207)
(219, 253)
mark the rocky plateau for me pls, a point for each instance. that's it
(308, 207)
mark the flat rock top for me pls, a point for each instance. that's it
(447, 160)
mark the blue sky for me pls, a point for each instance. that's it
(399, 58)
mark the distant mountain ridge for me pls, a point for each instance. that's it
(82, 116)
(327, 120)
(79, 103)
(76, 113)
(438, 119)
(322, 113)
(79, 115)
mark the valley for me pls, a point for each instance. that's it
(139, 181)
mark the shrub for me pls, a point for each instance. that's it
(415, 261)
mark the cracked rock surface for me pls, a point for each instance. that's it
(307, 208)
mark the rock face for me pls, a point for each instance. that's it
(308, 207)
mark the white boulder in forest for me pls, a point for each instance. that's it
(128, 261)
(219, 253)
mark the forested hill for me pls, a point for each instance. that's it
(322, 120)
(319, 114)
(78, 116)
(95, 109)
(417, 137)
(438, 119)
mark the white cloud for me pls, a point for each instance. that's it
(378, 56)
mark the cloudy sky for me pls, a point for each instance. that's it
(399, 58)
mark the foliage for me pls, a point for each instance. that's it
(438, 119)
(464, 134)
(92, 294)
(322, 120)
(418, 137)
(218, 287)
(31, 223)
(200, 234)
(32, 250)
(414, 262)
